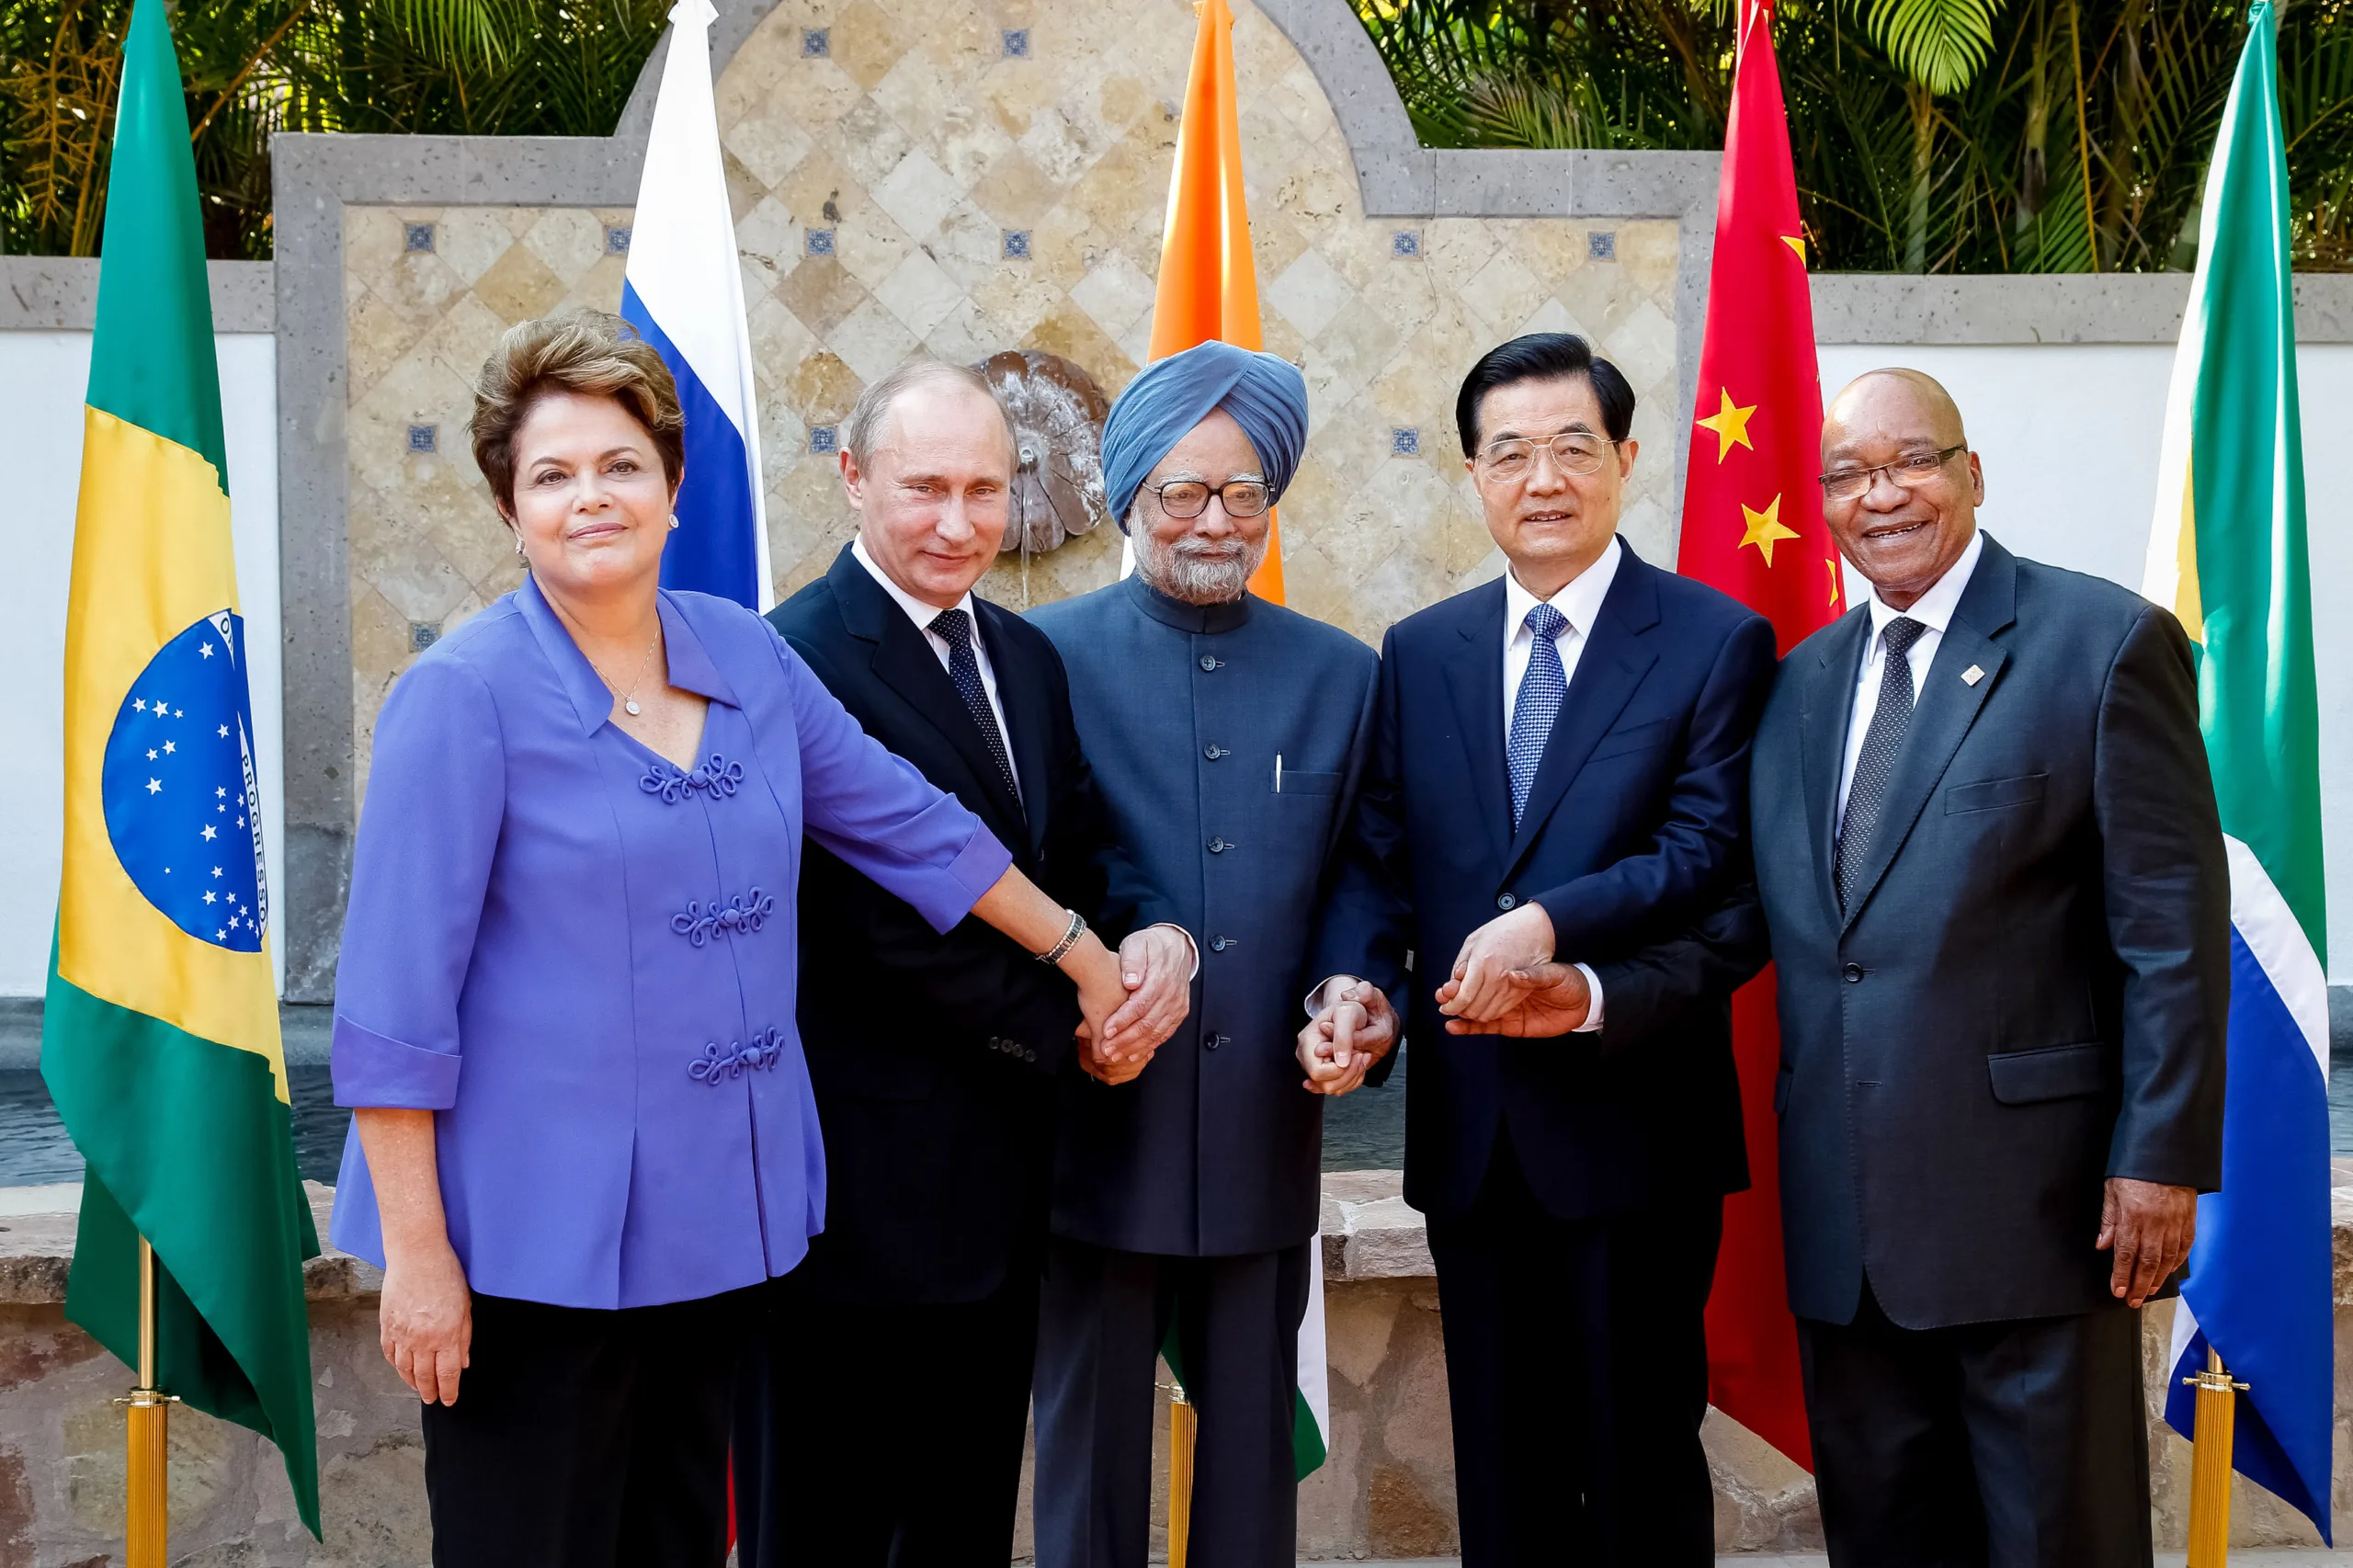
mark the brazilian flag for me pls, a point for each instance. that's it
(160, 1035)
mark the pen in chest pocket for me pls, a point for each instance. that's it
(1279, 773)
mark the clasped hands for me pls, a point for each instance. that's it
(1131, 1002)
(1503, 981)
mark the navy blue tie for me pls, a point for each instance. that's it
(1541, 691)
(954, 627)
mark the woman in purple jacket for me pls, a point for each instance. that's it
(584, 1132)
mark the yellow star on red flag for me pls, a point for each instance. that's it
(1730, 423)
(1797, 244)
(1764, 527)
(1837, 584)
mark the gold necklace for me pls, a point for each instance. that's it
(628, 698)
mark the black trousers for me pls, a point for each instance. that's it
(1576, 1365)
(1998, 1445)
(1105, 1317)
(587, 1440)
(885, 1434)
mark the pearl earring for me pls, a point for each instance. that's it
(519, 545)
(674, 519)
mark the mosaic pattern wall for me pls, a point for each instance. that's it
(948, 178)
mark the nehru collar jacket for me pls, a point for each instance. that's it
(581, 956)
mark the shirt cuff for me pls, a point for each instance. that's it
(1314, 1000)
(1192, 947)
(1593, 1009)
(375, 1070)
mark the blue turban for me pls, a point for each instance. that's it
(1266, 395)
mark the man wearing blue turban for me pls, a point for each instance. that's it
(1225, 734)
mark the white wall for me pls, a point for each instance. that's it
(42, 379)
(2068, 436)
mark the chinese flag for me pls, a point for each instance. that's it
(1209, 283)
(1752, 526)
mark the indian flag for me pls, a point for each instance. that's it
(160, 1034)
(2227, 556)
(1208, 287)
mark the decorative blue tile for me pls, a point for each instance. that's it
(1405, 242)
(1601, 244)
(820, 242)
(1405, 441)
(424, 438)
(1016, 43)
(617, 239)
(825, 439)
(817, 43)
(423, 634)
(416, 236)
(1016, 245)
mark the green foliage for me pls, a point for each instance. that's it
(1928, 135)
(255, 67)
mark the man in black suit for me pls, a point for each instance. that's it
(1559, 766)
(1991, 867)
(886, 1424)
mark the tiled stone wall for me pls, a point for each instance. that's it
(880, 157)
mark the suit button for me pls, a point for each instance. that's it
(1854, 973)
(1028, 1054)
(1218, 846)
(1214, 1042)
(1210, 662)
(995, 1044)
(1215, 752)
(1505, 901)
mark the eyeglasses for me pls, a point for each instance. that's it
(1573, 451)
(1848, 483)
(1187, 498)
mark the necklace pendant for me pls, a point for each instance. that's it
(630, 707)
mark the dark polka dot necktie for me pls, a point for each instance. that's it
(954, 627)
(1891, 722)
(1541, 691)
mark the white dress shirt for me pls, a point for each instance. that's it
(1578, 600)
(1932, 609)
(923, 615)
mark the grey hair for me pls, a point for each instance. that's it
(865, 421)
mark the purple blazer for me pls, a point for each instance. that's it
(584, 959)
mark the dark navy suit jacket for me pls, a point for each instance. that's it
(1635, 825)
(2026, 992)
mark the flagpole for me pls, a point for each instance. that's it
(1181, 1421)
(147, 1495)
(2209, 1464)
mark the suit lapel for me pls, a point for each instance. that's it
(1823, 719)
(1474, 680)
(1947, 707)
(1021, 690)
(905, 662)
(1611, 665)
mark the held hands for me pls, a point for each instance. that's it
(427, 1321)
(1493, 972)
(1547, 999)
(1339, 1047)
(2149, 1227)
(1156, 966)
(1106, 1050)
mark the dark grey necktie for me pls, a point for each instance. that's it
(954, 627)
(1882, 743)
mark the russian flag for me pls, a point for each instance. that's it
(2227, 555)
(684, 293)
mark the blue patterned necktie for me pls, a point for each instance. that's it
(1875, 768)
(954, 627)
(1541, 691)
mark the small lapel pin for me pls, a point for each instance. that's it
(1973, 675)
